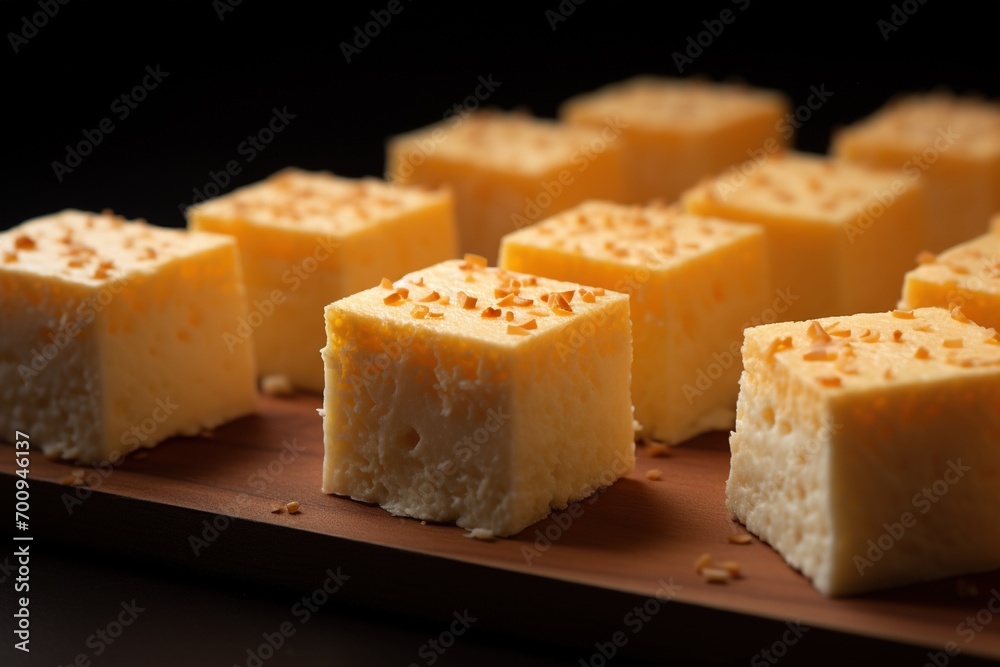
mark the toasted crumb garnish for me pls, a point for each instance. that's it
(817, 332)
(392, 299)
(25, 242)
(732, 567)
(277, 509)
(10, 257)
(568, 295)
(846, 362)
(403, 292)
(466, 301)
(277, 384)
(522, 302)
(444, 301)
(903, 314)
(925, 257)
(716, 575)
(658, 449)
(829, 380)
(508, 300)
(435, 314)
(492, 312)
(483, 534)
(386, 283)
(500, 292)
(654, 474)
(817, 353)
(957, 314)
(959, 269)
(701, 562)
(598, 291)
(587, 296)
(740, 538)
(419, 311)
(778, 345)
(992, 337)
(897, 335)
(952, 342)
(530, 324)
(293, 507)
(430, 298)
(516, 330)
(478, 261)
(840, 333)
(869, 336)
(148, 253)
(509, 316)
(922, 353)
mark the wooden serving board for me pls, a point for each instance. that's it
(571, 581)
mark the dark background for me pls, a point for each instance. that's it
(226, 75)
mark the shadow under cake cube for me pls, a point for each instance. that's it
(508, 170)
(309, 238)
(695, 283)
(678, 131)
(113, 334)
(840, 236)
(867, 447)
(472, 395)
(966, 276)
(951, 144)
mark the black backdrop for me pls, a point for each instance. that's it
(229, 67)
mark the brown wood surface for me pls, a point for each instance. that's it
(624, 542)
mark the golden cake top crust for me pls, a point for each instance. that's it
(865, 351)
(655, 236)
(94, 248)
(317, 202)
(468, 298)
(675, 104)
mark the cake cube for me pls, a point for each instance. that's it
(113, 334)
(694, 284)
(951, 144)
(867, 447)
(679, 131)
(473, 395)
(840, 236)
(309, 238)
(509, 170)
(965, 277)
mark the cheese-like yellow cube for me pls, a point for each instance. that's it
(509, 170)
(840, 236)
(951, 144)
(112, 334)
(867, 447)
(966, 276)
(678, 131)
(309, 238)
(695, 283)
(468, 394)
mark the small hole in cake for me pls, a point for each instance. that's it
(410, 439)
(768, 416)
